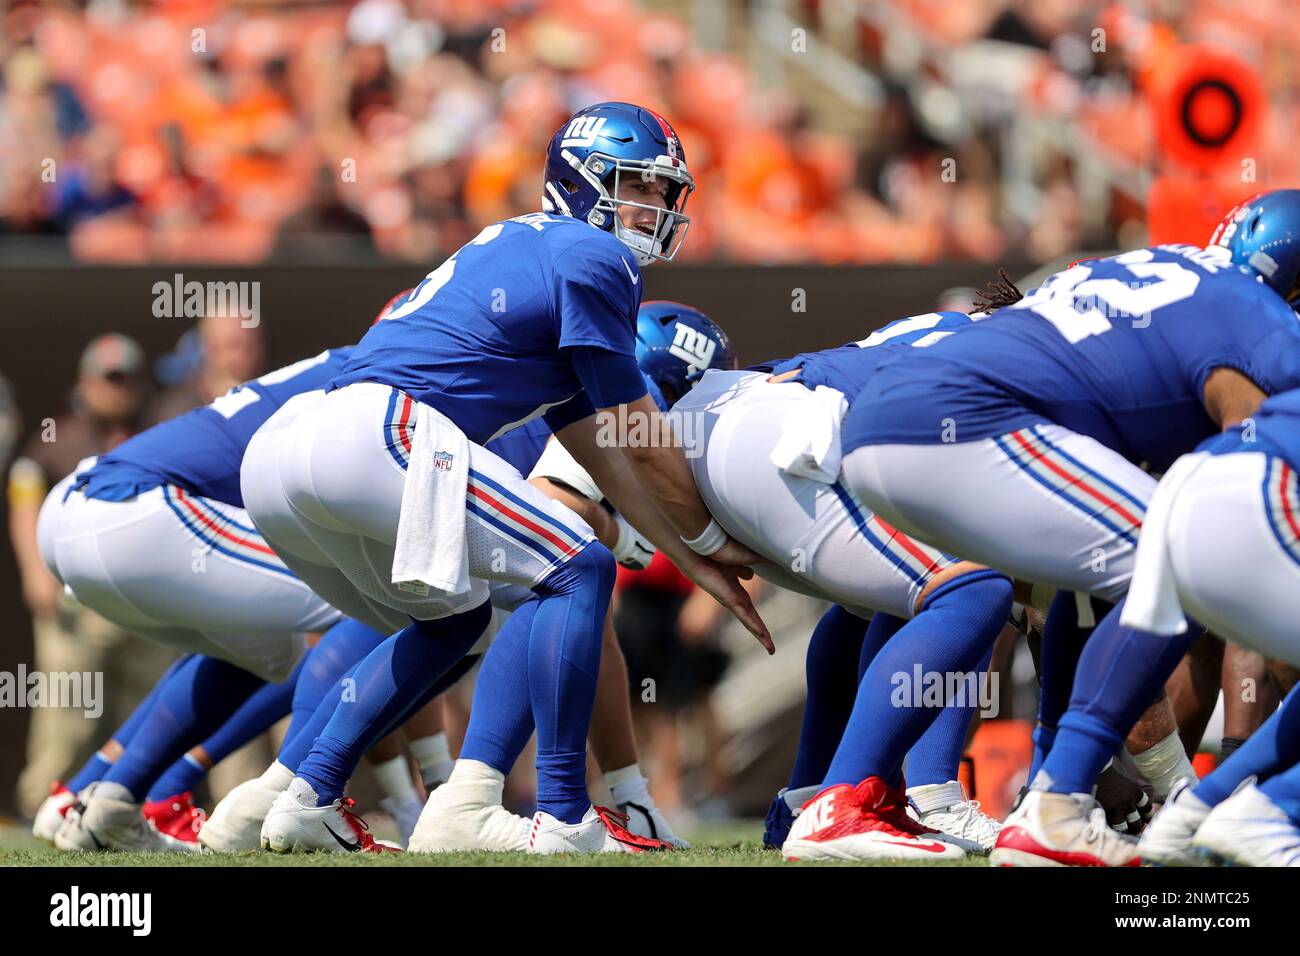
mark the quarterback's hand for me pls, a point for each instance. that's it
(723, 582)
(737, 556)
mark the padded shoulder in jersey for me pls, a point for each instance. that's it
(598, 292)
(1257, 332)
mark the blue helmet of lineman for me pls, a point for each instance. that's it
(676, 345)
(595, 162)
(1263, 235)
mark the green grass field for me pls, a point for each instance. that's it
(730, 844)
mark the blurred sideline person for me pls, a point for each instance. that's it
(105, 410)
(209, 360)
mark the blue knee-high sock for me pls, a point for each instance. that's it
(832, 675)
(1121, 671)
(879, 631)
(1063, 640)
(883, 627)
(936, 757)
(194, 702)
(255, 716)
(95, 768)
(388, 683)
(954, 630)
(295, 749)
(339, 650)
(501, 720)
(1272, 749)
(563, 661)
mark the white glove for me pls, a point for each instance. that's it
(631, 550)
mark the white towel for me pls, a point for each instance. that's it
(809, 446)
(430, 551)
(1152, 603)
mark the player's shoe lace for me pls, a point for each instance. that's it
(616, 823)
(365, 842)
(968, 821)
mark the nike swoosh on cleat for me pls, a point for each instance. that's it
(350, 847)
(94, 839)
(927, 847)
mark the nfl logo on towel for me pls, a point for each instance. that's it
(442, 460)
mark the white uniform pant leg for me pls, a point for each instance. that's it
(1234, 548)
(1042, 504)
(186, 572)
(324, 482)
(821, 539)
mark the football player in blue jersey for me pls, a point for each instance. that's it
(675, 345)
(1049, 410)
(381, 496)
(1222, 543)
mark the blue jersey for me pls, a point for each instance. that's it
(522, 446)
(495, 336)
(847, 368)
(1117, 349)
(201, 451)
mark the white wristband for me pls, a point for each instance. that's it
(710, 539)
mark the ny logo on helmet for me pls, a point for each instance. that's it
(692, 347)
(583, 131)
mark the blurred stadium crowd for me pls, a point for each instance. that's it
(891, 130)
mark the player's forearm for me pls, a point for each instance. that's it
(1230, 397)
(623, 489)
(663, 472)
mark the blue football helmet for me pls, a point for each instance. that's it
(603, 146)
(1263, 235)
(676, 345)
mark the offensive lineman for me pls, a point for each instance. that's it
(1047, 409)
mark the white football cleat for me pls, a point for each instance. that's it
(866, 822)
(1167, 839)
(465, 813)
(235, 825)
(601, 830)
(295, 824)
(405, 813)
(960, 821)
(49, 817)
(1061, 829)
(1249, 829)
(106, 821)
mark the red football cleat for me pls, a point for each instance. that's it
(616, 823)
(176, 816)
(52, 811)
(866, 822)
